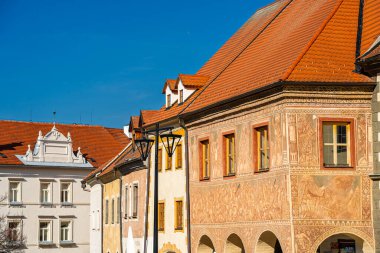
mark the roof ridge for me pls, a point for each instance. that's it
(311, 42)
(241, 51)
(52, 123)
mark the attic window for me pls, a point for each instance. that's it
(168, 100)
(181, 96)
(3, 155)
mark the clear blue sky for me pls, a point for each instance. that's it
(108, 59)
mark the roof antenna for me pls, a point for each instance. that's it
(31, 115)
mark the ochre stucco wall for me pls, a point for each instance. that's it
(298, 201)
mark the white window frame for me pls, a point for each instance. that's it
(69, 193)
(135, 183)
(126, 201)
(19, 195)
(49, 232)
(49, 192)
(70, 231)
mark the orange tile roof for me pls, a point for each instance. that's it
(225, 55)
(373, 51)
(192, 81)
(371, 23)
(298, 41)
(172, 85)
(96, 142)
(308, 41)
(127, 154)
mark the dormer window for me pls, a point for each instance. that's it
(168, 100)
(181, 96)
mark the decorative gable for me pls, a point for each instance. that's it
(54, 149)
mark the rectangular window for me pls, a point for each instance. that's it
(161, 216)
(113, 212)
(178, 223)
(126, 199)
(45, 193)
(14, 192)
(181, 96)
(179, 156)
(66, 193)
(168, 101)
(205, 159)
(107, 213)
(45, 232)
(135, 200)
(14, 231)
(262, 148)
(336, 144)
(118, 210)
(66, 231)
(159, 159)
(229, 146)
(168, 162)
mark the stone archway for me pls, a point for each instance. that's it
(268, 243)
(205, 245)
(347, 241)
(234, 244)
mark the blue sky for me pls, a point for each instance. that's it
(98, 62)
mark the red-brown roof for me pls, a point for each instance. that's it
(371, 23)
(192, 81)
(308, 41)
(96, 142)
(298, 41)
(172, 85)
(127, 154)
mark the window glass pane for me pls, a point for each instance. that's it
(342, 155)
(342, 134)
(328, 133)
(126, 201)
(328, 154)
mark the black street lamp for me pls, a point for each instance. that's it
(144, 145)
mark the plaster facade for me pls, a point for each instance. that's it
(111, 215)
(171, 187)
(96, 212)
(134, 227)
(30, 210)
(297, 202)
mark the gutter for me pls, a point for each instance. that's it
(119, 210)
(182, 124)
(147, 205)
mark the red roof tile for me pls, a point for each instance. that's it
(192, 81)
(96, 142)
(127, 154)
(308, 41)
(172, 85)
(371, 23)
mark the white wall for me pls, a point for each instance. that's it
(173, 97)
(31, 209)
(96, 218)
(186, 92)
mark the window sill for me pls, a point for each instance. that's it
(262, 170)
(161, 231)
(229, 176)
(42, 244)
(178, 168)
(47, 204)
(333, 167)
(68, 204)
(15, 203)
(178, 230)
(66, 243)
(205, 179)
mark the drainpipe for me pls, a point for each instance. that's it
(147, 204)
(120, 219)
(182, 124)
